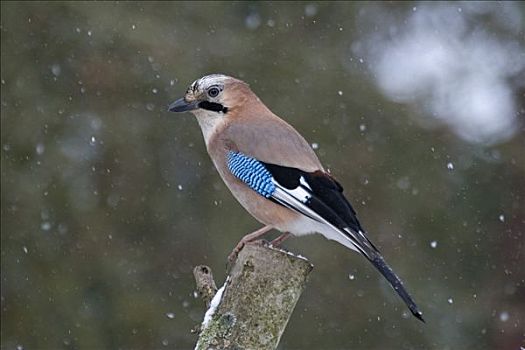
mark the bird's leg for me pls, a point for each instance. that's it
(277, 241)
(250, 237)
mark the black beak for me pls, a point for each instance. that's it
(182, 106)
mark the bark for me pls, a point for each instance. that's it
(205, 284)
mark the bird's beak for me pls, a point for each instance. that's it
(181, 105)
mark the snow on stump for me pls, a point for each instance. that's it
(252, 308)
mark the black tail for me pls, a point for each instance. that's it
(396, 283)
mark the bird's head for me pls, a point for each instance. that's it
(212, 96)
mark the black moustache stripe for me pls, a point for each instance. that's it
(212, 106)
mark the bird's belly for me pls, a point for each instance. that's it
(261, 208)
(304, 226)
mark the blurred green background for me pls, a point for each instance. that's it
(108, 201)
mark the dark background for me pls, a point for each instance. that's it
(108, 201)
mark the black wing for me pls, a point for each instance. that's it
(326, 200)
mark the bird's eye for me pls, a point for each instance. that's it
(213, 92)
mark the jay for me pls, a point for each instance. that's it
(274, 173)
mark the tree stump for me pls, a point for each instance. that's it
(253, 306)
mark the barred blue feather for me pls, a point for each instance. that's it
(252, 172)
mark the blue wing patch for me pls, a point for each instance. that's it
(252, 172)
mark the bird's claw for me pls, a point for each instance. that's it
(232, 257)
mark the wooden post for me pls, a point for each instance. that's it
(253, 307)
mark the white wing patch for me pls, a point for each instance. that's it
(300, 193)
(303, 182)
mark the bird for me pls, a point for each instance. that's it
(274, 173)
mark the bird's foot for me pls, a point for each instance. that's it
(246, 239)
(235, 252)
